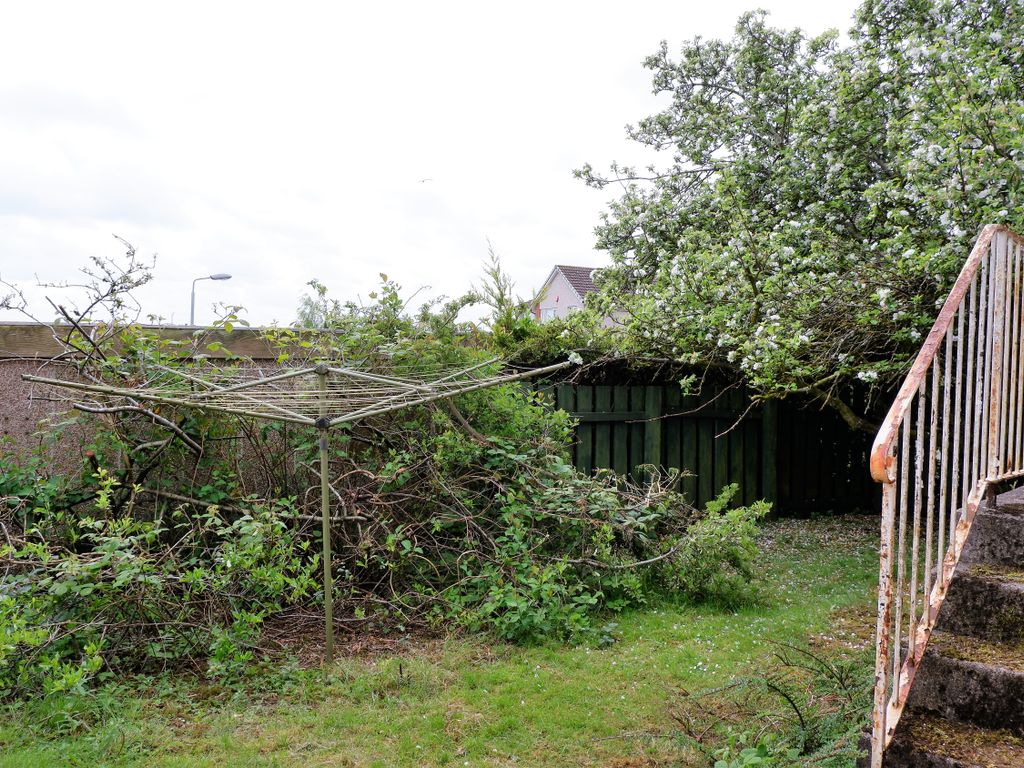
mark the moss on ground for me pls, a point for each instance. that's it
(967, 743)
(1001, 573)
(966, 648)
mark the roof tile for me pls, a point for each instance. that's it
(579, 278)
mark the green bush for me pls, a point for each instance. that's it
(715, 562)
(91, 594)
(462, 514)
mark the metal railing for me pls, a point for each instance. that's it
(953, 433)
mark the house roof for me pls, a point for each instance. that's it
(579, 278)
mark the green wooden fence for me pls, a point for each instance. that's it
(803, 459)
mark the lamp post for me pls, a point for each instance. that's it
(192, 311)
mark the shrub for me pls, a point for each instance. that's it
(461, 514)
(92, 593)
(715, 562)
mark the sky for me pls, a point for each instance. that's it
(282, 142)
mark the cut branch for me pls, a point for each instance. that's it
(155, 417)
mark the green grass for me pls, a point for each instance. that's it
(463, 702)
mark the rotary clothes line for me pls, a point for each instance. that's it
(341, 395)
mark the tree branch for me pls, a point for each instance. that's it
(850, 416)
(156, 418)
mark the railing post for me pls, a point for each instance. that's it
(882, 639)
(998, 298)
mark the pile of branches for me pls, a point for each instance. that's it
(183, 534)
(91, 594)
(466, 515)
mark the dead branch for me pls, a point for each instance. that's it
(155, 417)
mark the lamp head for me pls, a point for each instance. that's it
(220, 276)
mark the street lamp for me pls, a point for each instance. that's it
(192, 312)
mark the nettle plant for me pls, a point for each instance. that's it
(818, 199)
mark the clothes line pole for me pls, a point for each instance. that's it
(322, 425)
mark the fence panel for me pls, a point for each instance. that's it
(804, 459)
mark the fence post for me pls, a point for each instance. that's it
(769, 453)
(564, 399)
(652, 424)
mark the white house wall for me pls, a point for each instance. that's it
(558, 299)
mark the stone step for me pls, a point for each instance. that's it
(966, 707)
(926, 741)
(985, 601)
(997, 538)
(1011, 502)
(971, 680)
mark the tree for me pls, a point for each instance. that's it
(511, 321)
(820, 198)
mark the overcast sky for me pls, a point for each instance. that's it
(281, 142)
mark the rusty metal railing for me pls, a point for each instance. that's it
(953, 432)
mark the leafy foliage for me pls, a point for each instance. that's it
(185, 537)
(716, 562)
(819, 199)
(85, 593)
(466, 684)
(807, 710)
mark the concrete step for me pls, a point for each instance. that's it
(926, 741)
(966, 707)
(985, 601)
(997, 538)
(1011, 502)
(971, 680)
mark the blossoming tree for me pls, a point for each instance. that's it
(818, 198)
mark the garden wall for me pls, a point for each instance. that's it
(29, 411)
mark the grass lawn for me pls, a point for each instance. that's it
(463, 702)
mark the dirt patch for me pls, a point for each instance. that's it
(300, 635)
